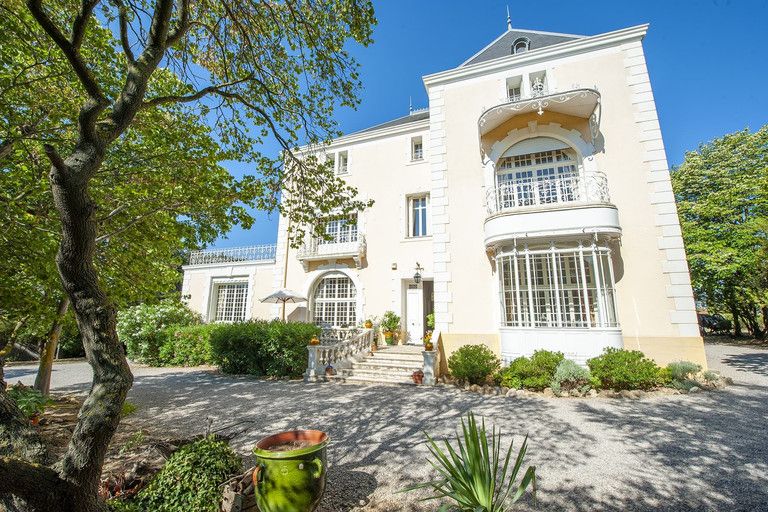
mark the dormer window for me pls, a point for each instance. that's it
(521, 45)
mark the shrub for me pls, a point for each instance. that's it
(189, 345)
(190, 479)
(142, 327)
(624, 369)
(30, 401)
(569, 376)
(683, 370)
(534, 373)
(473, 364)
(390, 321)
(262, 348)
(474, 475)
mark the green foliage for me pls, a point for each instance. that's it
(190, 478)
(568, 376)
(625, 369)
(534, 373)
(142, 327)
(186, 345)
(722, 199)
(127, 409)
(473, 364)
(683, 370)
(263, 348)
(30, 401)
(431, 321)
(474, 476)
(390, 322)
(710, 376)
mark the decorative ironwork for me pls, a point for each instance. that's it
(233, 255)
(350, 245)
(572, 188)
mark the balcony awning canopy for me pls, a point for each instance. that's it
(583, 103)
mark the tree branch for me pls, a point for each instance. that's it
(81, 22)
(69, 50)
(135, 221)
(183, 25)
(124, 42)
(213, 89)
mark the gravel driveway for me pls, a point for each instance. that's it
(707, 451)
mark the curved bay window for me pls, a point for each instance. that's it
(562, 286)
(335, 302)
(537, 171)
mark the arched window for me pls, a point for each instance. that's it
(335, 302)
(521, 45)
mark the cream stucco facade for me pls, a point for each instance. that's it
(534, 197)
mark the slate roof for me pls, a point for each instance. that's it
(410, 118)
(502, 46)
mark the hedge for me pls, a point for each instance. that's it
(262, 348)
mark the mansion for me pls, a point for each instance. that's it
(529, 206)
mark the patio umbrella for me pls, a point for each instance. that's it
(282, 296)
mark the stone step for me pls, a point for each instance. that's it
(377, 373)
(356, 379)
(383, 365)
(396, 356)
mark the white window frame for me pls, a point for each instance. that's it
(547, 176)
(514, 88)
(417, 149)
(521, 41)
(418, 213)
(341, 230)
(565, 286)
(237, 291)
(334, 301)
(342, 168)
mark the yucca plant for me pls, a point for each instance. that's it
(474, 476)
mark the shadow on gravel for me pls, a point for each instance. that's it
(13, 374)
(714, 449)
(752, 362)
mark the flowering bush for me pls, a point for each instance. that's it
(142, 328)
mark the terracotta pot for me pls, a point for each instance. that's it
(418, 376)
(389, 337)
(368, 324)
(35, 420)
(429, 347)
(292, 480)
(314, 341)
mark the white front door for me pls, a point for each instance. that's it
(414, 312)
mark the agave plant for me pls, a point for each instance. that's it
(474, 476)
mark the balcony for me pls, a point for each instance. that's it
(348, 245)
(260, 253)
(568, 204)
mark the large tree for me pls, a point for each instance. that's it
(148, 218)
(722, 199)
(256, 69)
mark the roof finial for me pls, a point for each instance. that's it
(509, 19)
(410, 105)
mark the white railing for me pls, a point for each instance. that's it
(234, 254)
(351, 244)
(336, 334)
(509, 195)
(338, 355)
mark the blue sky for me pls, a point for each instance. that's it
(707, 61)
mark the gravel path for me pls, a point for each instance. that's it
(707, 451)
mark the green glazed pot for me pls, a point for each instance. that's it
(293, 480)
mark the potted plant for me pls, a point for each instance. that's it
(314, 340)
(390, 324)
(368, 324)
(418, 377)
(428, 345)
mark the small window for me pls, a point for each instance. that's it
(331, 159)
(417, 149)
(539, 84)
(514, 88)
(343, 163)
(521, 45)
(341, 231)
(418, 210)
(231, 302)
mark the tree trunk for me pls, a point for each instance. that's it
(7, 345)
(48, 352)
(96, 318)
(736, 322)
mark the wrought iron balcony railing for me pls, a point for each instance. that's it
(350, 245)
(531, 192)
(233, 255)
